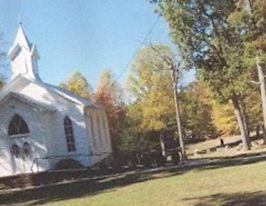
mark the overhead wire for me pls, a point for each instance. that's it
(136, 52)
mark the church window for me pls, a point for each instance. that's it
(99, 130)
(92, 131)
(18, 126)
(92, 126)
(70, 140)
(105, 129)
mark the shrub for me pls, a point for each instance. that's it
(68, 164)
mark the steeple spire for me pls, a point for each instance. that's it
(21, 37)
(23, 56)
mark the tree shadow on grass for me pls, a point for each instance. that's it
(93, 186)
(238, 160)
(235, 199)
(241, 155)
(84, 188)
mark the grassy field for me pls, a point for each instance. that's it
(227, 184)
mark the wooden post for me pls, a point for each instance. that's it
(177, 112)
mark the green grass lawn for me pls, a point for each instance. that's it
(220, 184)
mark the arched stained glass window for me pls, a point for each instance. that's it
(69, 134)
(17, 126)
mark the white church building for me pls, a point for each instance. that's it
(42, 124)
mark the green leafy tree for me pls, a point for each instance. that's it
(134, 138)
(224, 119)
(249, 19)
(253, 108)
(150, 86)
(208, 43)
(196, 107)
(78, 84)
(151, 111)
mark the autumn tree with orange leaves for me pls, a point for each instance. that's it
(109, 95)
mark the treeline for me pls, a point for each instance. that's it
(224, 42)
(137, 124)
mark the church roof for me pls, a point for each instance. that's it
(21, 77)
(51, 88)
(68, 95)
(27, 100)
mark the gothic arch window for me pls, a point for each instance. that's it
(69, 134)
(17, 126)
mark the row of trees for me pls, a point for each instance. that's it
(224, 41)
(138, 124)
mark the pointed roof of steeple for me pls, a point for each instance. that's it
(21, 38)
(25, 55)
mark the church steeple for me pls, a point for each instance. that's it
(23, 56)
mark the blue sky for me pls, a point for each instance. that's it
(85, 35)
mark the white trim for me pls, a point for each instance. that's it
(19, 135)
(27, 100)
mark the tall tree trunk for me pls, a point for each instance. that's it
(244, 115)
(261, 79)
(178, 119)
(263, 94)
(162, 145)
(241, 122)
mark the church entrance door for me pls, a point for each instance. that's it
(22, 159)
(20, 147)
